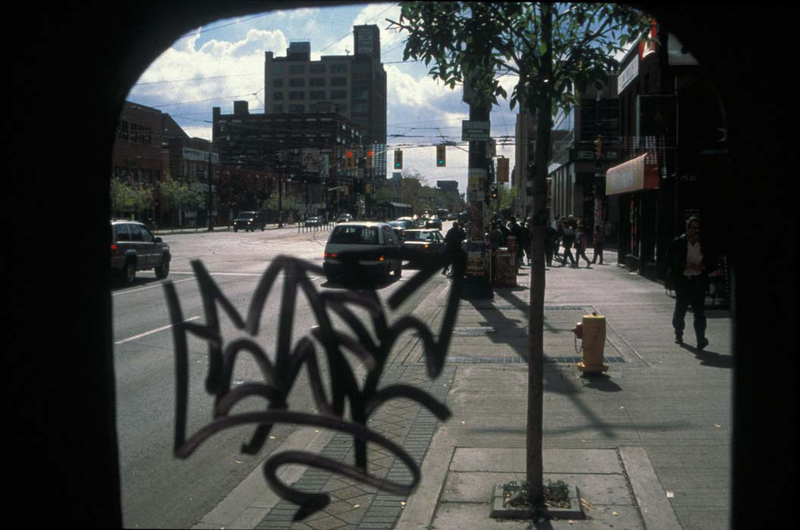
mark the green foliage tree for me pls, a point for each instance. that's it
(556, 51)
(181, 194)
(130, 198)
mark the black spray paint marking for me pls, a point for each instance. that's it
(278, 378)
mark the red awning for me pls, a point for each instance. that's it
(638, 174)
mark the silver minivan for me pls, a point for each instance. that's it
(358, 248)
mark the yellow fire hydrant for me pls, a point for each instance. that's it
(592, 332)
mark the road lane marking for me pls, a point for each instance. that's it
(157, 286)
(151, 332)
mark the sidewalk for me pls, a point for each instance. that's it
(647, 444)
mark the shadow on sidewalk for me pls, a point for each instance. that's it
(710, 358)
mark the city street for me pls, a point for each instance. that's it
(158, 489)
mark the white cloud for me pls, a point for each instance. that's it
(224, 71)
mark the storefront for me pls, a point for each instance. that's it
(635, 186)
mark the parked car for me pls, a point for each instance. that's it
(314, 221)
(249, 221)
(344, 218)
(433, 222)
(134, 248)
(421, 243)
(357, 248)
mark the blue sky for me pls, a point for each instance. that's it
(224, 61)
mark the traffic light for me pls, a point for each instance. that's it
(370, 159)
(598, 147)
(493, 191)
(398, 159)
(349, 160)
(441, 158)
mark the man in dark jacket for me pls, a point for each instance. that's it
(452, 246)
(517, 231)
(689, 262)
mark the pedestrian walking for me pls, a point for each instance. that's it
(689, 261)
(559, 238)
(581, 242)
(597, 244)
(550, 244)
(452, 248)
(568, 240)
(528, 240)
(517, 232)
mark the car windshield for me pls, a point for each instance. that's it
(354, 235)
(247, 215)
(419, 236)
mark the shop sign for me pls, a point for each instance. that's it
(638, 174)
(628, 74)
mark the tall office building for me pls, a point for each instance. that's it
(351, 85)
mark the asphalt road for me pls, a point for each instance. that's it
(159, 490)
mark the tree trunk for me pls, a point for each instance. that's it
(534, 466)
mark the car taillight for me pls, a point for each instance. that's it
(427, 246)
(331, 255)
(115, 250)
(381, 258)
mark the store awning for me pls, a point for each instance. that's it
(638, 174)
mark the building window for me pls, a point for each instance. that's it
(277, 83)
(317, 94)
(297, 81)
(277, 96)
(317, 68)
(277, 69)
(317, 81)
(277, 108)
(338, 81)
(338, 94)
(297, 69)
(295, 96)
(297, 108)
(339, 68)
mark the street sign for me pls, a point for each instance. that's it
(475, 131)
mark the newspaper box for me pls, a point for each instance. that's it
(506, 274)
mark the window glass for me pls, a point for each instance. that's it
(297, 69)
(277, 95)
(317, 94)
(338, 94)
(297, 95)
(354, 235)
(123, 234)
(317, 81)
(136, 234)
(318, 68)
(147, 237)
(338, 81)
(277, 83)
(297, 81)
(339, 68)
